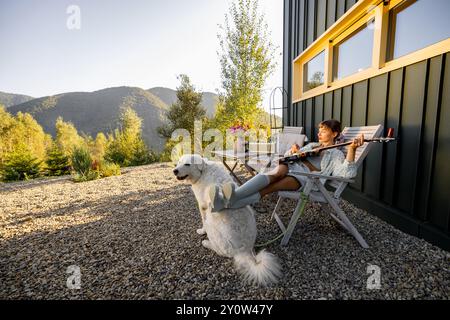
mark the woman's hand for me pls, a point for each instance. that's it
(295, 148)
(357, 142)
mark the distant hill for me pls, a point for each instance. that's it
(92, 112)
(11, 99)
(169, 96)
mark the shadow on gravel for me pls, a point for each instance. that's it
(25, 185)
(120, 204)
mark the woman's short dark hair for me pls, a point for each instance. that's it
(333, 125)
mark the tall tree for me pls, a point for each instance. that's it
(185, 111)
(7, 122)
(246, 63)
(23, 146)
(23, 133)
(182, 115)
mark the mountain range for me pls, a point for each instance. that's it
(11, 99)
(98, 111)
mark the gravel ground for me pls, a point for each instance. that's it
(133, 237)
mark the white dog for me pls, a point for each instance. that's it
(231, 232)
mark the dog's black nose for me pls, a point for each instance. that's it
(175, 172)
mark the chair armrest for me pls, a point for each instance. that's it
(321, 176)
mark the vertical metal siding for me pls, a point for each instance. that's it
(337, 104)
(429, 136)
(340, 8)
(410, 132)
(321, 13)
(331, 12)
(311, 22)
(407, 182)
(376, 113)
(439, 202)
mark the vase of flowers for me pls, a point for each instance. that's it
(239, 130)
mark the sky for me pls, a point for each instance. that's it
(142, 43)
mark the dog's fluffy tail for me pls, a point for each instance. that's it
(262, 269)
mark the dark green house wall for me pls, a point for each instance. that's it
(407, 183)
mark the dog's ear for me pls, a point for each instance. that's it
(200, 163)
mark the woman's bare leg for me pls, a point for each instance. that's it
(243, 195)
(285, 184)
(278, 173)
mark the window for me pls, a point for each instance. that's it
(417, 24)
(314, 71)
(373, 37)
(355, 53)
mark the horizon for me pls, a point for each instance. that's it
(143, 44)
(99, 90)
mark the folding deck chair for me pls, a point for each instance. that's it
(296, 130)
(324, 196)
(281, 142)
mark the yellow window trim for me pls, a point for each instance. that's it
(327, 47)
(354, 27)
(360, 13)
(312, 55)
(394, 3)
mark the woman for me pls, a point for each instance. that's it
(328, 162)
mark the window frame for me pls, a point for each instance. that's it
(346, 35)
(362, 12)
(305, 76)
(392, 25)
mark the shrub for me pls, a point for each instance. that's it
(142, 155)
(90, 175)
(82, 165)
(21, 165)
(108, 169)
(57, 163)
(81, 161)
(126, 153)
(126, 147)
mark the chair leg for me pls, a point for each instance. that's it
(353, 231)
(278, 205)
(276, 217)
(292, 223)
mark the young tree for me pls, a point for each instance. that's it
(82, 165)
(126, 147)
(99, 146)
(7, 122)
(23, 143)
(183, 114)
(186, 110)
(246, 63)
(57, 163)
(21, 164)
(67, 138)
